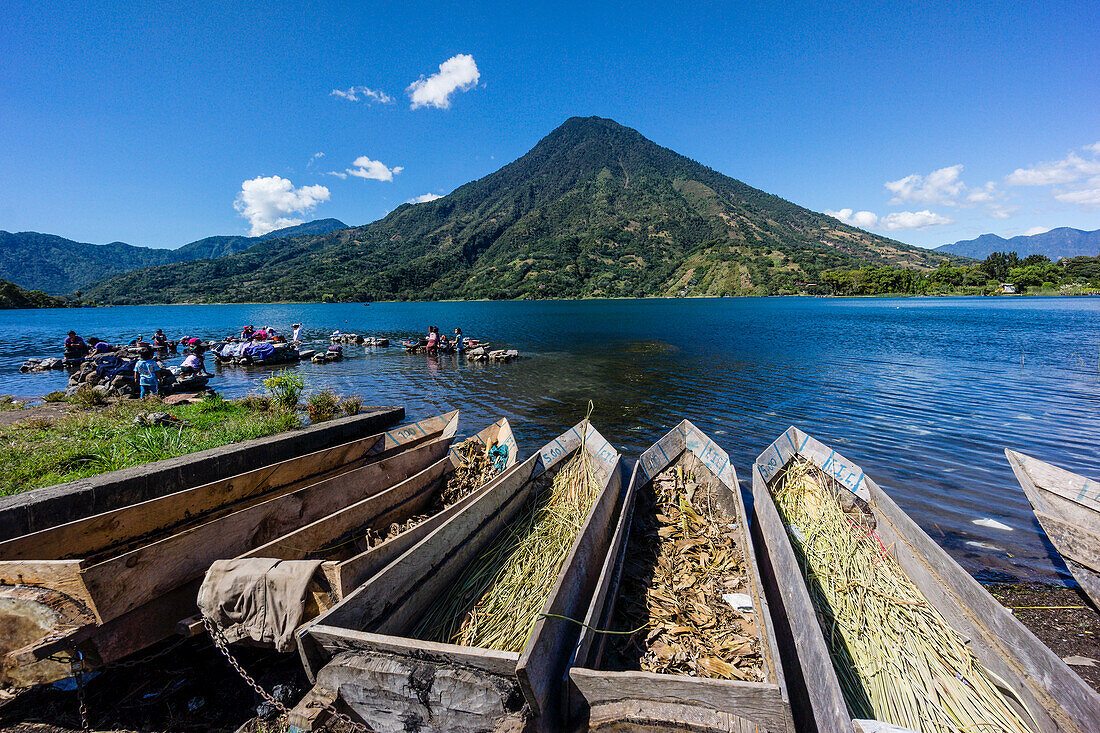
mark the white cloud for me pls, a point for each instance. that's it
(456, 74)
(1067, 170)
(314, 158)
(1094, 148)
(338, 174)
(861, 219)
(983, 195)
(938, 187)
(914, 220)
(269, 203)
(997, 211)
(373, 169)
(366, 94)
(1036, 230)
(424, 198)
(1086, 198)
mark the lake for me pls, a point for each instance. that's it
(924, 393)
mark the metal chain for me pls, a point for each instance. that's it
(223, 646)
(76, 666)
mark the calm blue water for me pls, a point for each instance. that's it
(924, 393)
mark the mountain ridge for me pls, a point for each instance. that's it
(1053, 244)
(594, 209)
(59, 266)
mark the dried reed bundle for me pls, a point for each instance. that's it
(682, 558)
(897, 659)
(476, 470)
(498, 597)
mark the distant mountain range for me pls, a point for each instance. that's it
(1055, 244)
(58, 266)
(593, 210)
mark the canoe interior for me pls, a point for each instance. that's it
(605, 697)
(132, 591)
(371, 627)
(1067, 506)
(1056, 699)
(347, 574)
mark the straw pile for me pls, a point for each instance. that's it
(682, 557)
(897, 659)
(497, 599)
(475, 471)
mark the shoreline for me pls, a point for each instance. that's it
(578, 300)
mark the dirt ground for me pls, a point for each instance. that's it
(1063, 619)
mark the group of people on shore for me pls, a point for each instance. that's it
(146, 366)
(269, 333)
(437, 341)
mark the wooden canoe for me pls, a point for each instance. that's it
(115, 583)
(639, 700)
(348, 526)
(362, 651)
(1056, 699)
(1068, 508)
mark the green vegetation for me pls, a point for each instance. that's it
(1034, 273)
(43, 451)
(13, 296)
(285, 387)
(322, 406)
(351, 405)
(58, 265)
(593, 210)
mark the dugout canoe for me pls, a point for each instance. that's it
(1068, 508)
(1056, 699)
(604, 699)
(115, 583)
(362, 657)
(347, 528)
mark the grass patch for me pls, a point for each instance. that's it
(7, 402)
(38, 453)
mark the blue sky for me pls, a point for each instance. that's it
(151, 125)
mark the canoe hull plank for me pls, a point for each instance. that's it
(1068, 508)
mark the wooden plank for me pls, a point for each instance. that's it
(337, 639)
(759, 702)
(1074, 541)
(545, 659)
(376, 511)
(60, 575)
(132, 579)
(416, 578)
(827, 709)
(98, 533)
(1035, 474)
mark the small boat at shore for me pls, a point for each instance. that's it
(385, 631)
(112, 584)
(1033, 687)
(1068, 508)
(724, 630)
